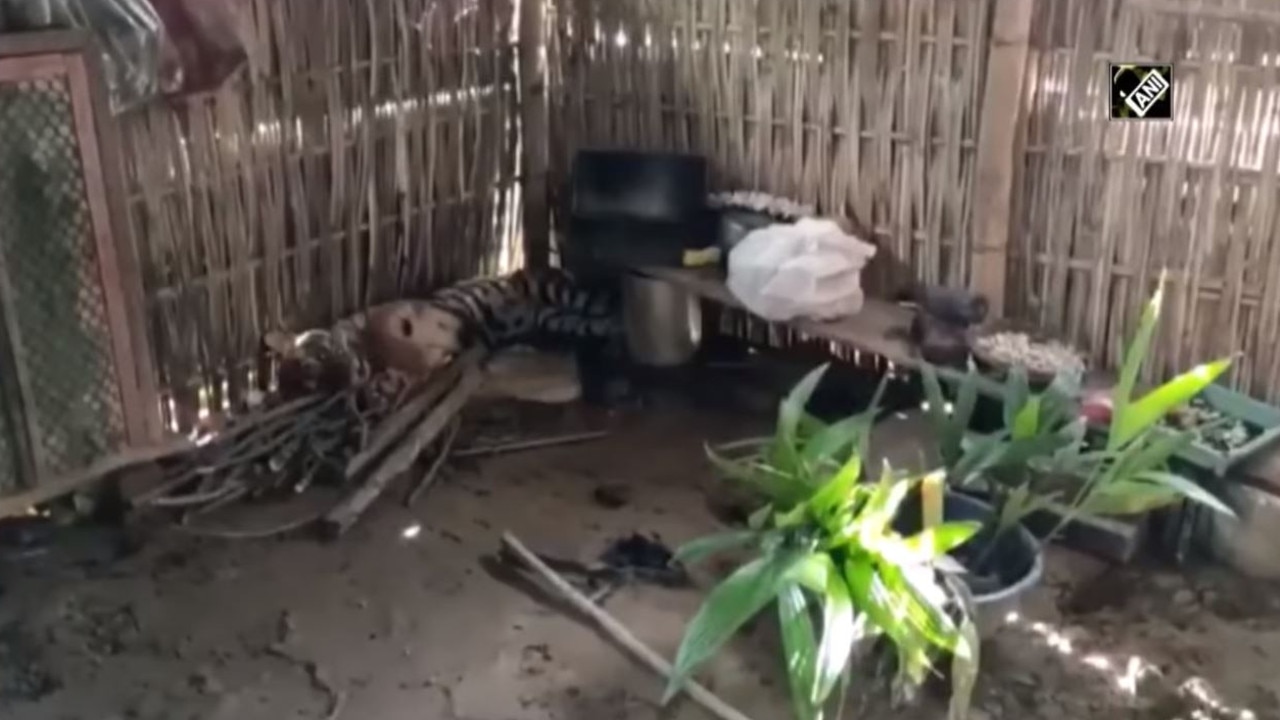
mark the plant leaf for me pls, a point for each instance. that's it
(838, 492)
(758, 519)
(846, 676)
(839, 631)
(966, 658)
(1127, 497)
(1134, 356)
(870, 595)
(727, 608)
(921, 600)
(1026, 422)
(779, 487)
(851, 433)
(829, 443)
(1139, 415)
(811, 572)
(1059, 403)
(703, 547)
(1187, 488)
(940, 539)
(867, 592)
(790, 414)
(882, 506)
(1018, 504)
(949, 440)
(1150, 450)
(799, 649)
(966, 399)
(1017, 390)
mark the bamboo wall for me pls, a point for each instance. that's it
(866, 108)
(1102, 206)
(371, 150)
(872, 108)
(368, 151)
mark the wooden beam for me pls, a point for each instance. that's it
(535, 137)
(51, 488)
(1002, 114)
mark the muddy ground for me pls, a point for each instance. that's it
(400, 620)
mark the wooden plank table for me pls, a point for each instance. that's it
(879, 328)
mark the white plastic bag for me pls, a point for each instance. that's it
(810, 269)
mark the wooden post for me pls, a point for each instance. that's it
(1002, 114)
(535, 137)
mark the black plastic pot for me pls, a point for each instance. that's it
(1015, 565)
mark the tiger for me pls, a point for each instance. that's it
(547, 309)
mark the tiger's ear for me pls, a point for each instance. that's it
(278, 342)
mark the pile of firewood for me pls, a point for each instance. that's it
(361, 440)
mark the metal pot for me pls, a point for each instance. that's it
(1017, 558)
(663, 321)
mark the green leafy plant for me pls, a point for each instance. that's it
(1043, 456)
(828, 557)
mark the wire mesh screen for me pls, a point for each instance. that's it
(59, 336)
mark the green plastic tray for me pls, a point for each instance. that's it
(1240, 407)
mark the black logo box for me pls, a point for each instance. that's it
(1128, 78)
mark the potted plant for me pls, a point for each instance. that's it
(828, 555)
(1043, 459)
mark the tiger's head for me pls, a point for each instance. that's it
(413, 337)
(409, 338)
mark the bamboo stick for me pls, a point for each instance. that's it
(617, 631)
(391, 430)
(402, 457)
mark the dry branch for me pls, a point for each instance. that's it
(273, 441)
(402, 457)
(394, 428)
(429, 477)
(617, 631)
(532, 444)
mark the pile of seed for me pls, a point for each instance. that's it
(1016, 349)
(1212, 427)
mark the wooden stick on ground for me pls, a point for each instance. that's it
(531, 444)
(617, 631)
(429, 477)
(395, 426)
(403, 456)
(51, 488)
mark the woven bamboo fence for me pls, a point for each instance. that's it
(873, 109)
(373, 149)
(1101, 206)
(368, 151)
(865, 108)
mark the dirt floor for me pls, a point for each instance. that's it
(400, 619)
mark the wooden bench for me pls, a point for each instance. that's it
(879, 328)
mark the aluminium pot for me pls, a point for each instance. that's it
(663, 321)
(1017, 560)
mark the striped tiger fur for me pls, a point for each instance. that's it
(542, 308)
(547, 309)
